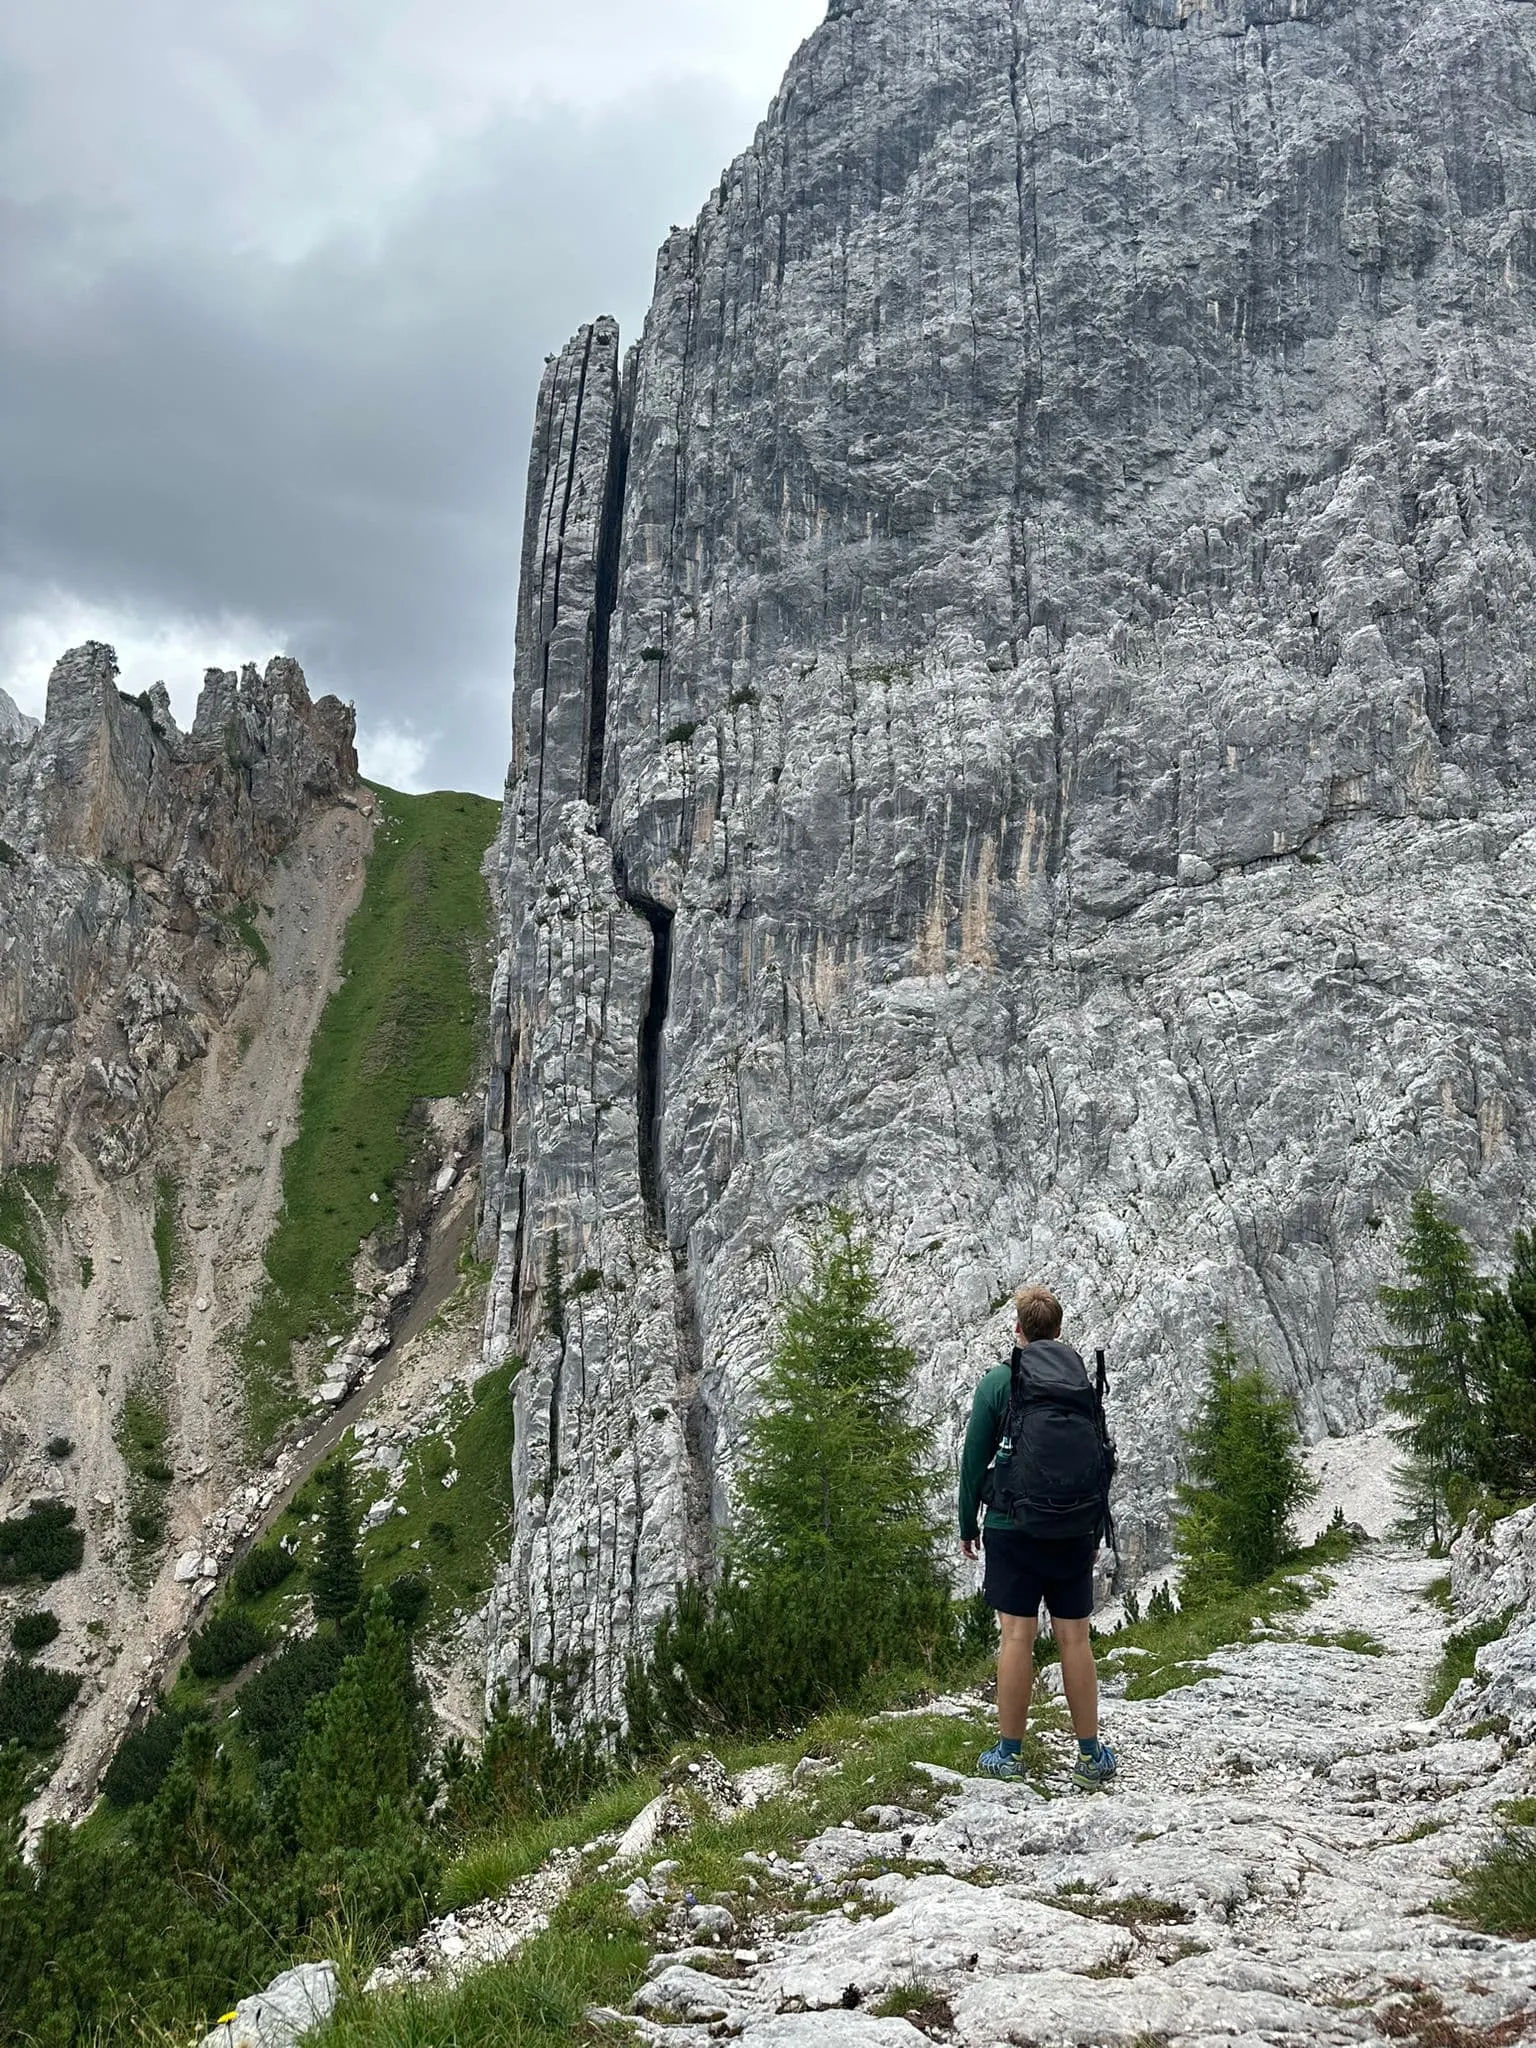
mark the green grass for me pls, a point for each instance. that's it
(1356, 1639)
(165, 1231)
(22, 1194)
(242, 921)
(590, 1955)
(877, 1759)
(142, 1437)
(1498, 1893)
(461, 1530)
(1458, 1660)
(1438, 1593)
(402, 1026)
(1177, 1644)
(594, 1953)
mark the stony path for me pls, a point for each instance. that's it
(1263, 1873)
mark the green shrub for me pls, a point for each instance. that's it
(59, 1447)
(33, 1632)
(1247, 1478)
(41, 1544)
(410, 1596)
(139, 1769)
(142, 1437)
(225, 1645)
(33, 1701)
(261, 1570)
(273, 1703)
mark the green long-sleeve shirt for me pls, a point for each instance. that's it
(989, 1418)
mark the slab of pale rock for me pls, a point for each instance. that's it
(279, 2017)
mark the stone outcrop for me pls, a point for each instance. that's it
(128, 855)
(294, 2005)
(16, 728)
(1023, 725)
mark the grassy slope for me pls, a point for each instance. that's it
(19, 1231)
(402, 1026)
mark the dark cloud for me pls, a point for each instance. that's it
(334, 442)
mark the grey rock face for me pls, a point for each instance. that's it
(1055, 773)
(127, 848)
(16, 728)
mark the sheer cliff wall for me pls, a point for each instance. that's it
(1023, 723)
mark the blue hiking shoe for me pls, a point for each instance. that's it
(1093, 1773)
(997, 1763)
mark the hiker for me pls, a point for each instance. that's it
(1038, 1453)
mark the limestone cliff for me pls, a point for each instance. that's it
(126, 850)
(1023, 723)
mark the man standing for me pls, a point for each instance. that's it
(1038, 1454)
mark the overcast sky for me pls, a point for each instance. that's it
(279, 281)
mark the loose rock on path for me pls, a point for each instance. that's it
(1265, 1871)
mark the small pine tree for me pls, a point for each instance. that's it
(835, 1481)
(1438, 1319)
(336, 1579)
(834, 1568)
(357, 1751)
(554, 1289)
(1233, 1525)
(1504, 1379)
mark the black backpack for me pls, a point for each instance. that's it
(1053, 1469)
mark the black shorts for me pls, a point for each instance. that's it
(1022, 1571)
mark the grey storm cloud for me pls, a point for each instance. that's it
(224, 393)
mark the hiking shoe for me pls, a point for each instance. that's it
(996, 1763)
(1093, 1773)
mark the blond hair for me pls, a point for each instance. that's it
(1039, 1313)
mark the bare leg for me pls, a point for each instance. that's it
(1015, 1674)
(1079, 1676)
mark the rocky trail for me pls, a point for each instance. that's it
(1264, 1871)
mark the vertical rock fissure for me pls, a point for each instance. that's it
(652, 1031)
(610, 541)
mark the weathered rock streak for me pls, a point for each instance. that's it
(1023, 722)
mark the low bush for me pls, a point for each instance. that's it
(410, 1596)
(33, 1701)
(41, 1544)
(33, 1632)
(260, 1571)
(273, 1703)
(139, 1769)
(225, 1645)
(59, 1447)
